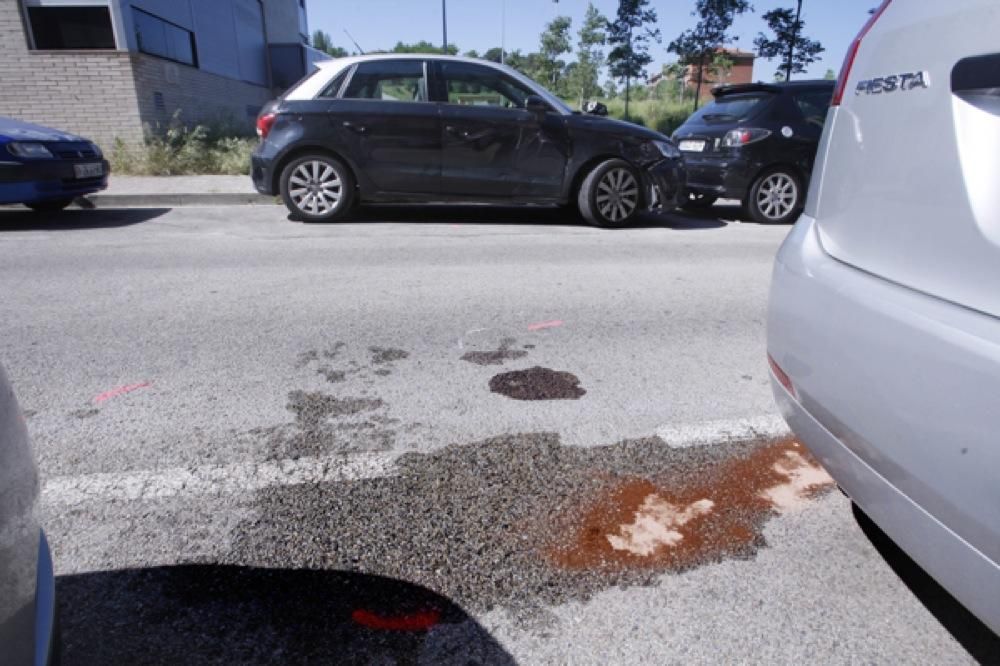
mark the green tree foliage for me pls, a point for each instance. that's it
(321, 41)
(493, 55)
(629, 36)
(586, 71)
(423, 46)
(555, 41)
(830, 75)
(698, 45)
(796, 51)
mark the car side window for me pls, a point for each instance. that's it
(333, 90)
(388, 80)
(814, 105)
(475, 85)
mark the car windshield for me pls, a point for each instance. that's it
(732, 108)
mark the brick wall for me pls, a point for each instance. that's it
(86, 92)
(163, 87)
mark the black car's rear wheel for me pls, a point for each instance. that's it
(776, 197)
(698, 201)
(610, 194)
(51, 206)
(317, 188)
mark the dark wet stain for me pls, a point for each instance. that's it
(529, 346)
(537, 384)
(311, 409)
(748, 378)
(331, 375)
(334, 351)
(383, 372)
(383, 355)
(85, 413)
(497, 356)
(479, 522)
(306, 357)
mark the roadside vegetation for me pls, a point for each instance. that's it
(221, 147)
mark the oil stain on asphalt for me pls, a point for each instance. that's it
(537, 383)
(522, 522)
(498, 356)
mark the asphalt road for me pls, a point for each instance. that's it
(434, 436)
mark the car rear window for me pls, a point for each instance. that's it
(732, 108)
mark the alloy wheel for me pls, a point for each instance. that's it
(617, 195)
(315, 187)
(777, 196)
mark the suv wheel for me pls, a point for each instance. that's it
(317, 188)
(776, 197)
(609, 195)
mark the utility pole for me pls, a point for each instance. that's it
(503, 31)
(444, 25)
(791, 47)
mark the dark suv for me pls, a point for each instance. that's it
(756, 142)
(435, 128)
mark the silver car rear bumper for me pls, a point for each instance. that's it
(895, 393)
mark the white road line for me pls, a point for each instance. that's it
(213, 480)
(707, 433)
(252, 476)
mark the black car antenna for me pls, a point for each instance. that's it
(355, 43)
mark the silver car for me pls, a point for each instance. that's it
(27, 585)
(884, 321)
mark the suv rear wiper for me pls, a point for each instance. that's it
(717, 116)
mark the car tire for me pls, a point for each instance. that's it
(611, 194)
(51, 206)
(698, 201)
(777, 197)
(317, 188)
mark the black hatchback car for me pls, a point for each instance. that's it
(755, 142)
(422, 128)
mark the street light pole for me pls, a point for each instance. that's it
(503, 31)
(444, 24)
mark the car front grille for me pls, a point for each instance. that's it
(73, 151)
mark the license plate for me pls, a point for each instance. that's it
(88, 170)
(692, 146)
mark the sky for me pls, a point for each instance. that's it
(476, 24)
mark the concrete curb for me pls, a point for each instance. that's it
(171, 200)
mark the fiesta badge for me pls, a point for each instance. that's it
(894, 83)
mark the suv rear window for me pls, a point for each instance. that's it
(732, 108)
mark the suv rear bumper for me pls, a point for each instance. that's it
(722, 176)
(895, 394)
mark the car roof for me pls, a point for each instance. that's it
(350, 60)
(760, 86)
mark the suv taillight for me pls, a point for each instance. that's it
(265, 123)
(852, 53)
(742, 136)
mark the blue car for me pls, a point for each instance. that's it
(45, 169)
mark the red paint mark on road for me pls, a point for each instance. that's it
(455, 226)
(421, 621)
(545, 324)
(121, 390)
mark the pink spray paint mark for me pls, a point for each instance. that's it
(455, 226)
(121, 390)
(545, 324)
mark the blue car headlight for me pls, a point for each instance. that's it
(29, 150)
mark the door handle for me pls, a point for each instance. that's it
(355, 127)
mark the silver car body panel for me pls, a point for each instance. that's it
(27, 598)
(885, 307)
(910, 192)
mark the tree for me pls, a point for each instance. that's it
(554, 42)
(493, 55)
(675, 73)
(788, 43)
(472, 53)
(589, 56)
(629, 35)
(423, 46)
(697, 47)
(830, 75)
(722, 67)
(321, 41)
(610, 89)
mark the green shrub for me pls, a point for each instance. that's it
(663, 116)
(220, 147)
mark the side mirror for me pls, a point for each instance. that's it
(595, 109)
(536, 105)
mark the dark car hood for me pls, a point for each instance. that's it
(610, 126)
(16, 130)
